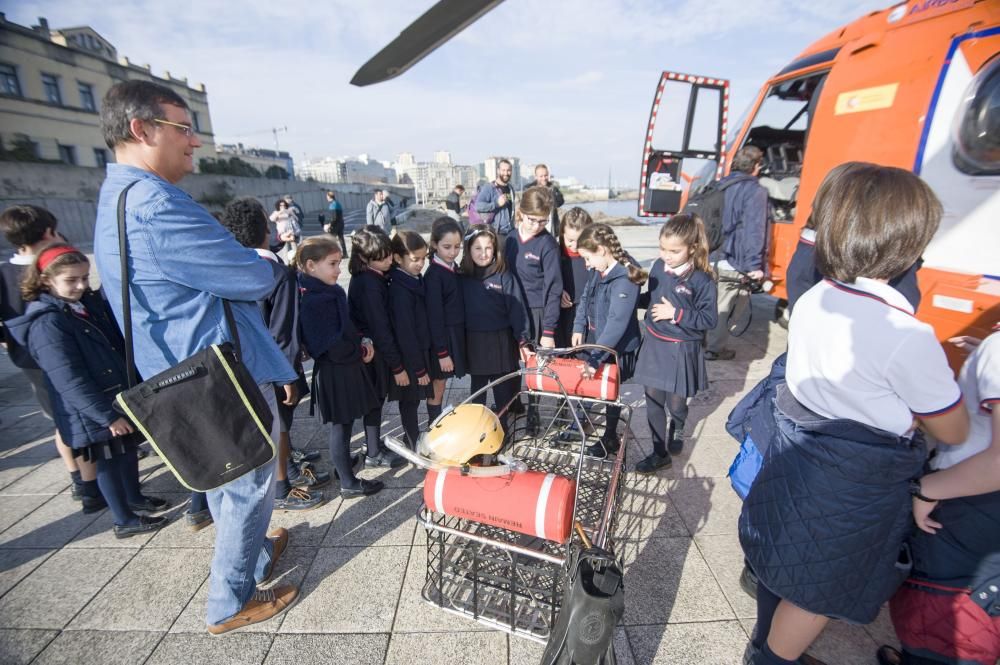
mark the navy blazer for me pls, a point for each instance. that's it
(83, 360)
(607, 313)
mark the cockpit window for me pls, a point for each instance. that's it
(976, 131)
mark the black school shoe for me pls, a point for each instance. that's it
(365, 488)
(149, 505)
(145, 525)
(675, 446)
(93, 504)
(654, 463)
(604, 448)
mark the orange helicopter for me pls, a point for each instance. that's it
(916, 85)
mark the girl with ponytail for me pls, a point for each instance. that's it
(606, 315)
(681, 308)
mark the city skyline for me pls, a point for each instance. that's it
(561, 88)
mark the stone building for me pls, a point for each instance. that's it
(51, 86)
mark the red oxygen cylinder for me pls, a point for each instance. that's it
(603, 385)
(530, 502)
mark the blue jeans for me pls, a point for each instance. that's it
(242, 512)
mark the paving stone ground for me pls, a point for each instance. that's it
(70, 592)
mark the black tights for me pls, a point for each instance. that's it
(373, 431)
(118, 479)
(340, 455)
(411, 422)
(659, 404)
(503, 393)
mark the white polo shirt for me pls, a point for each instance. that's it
(980, 383)
(856, 351)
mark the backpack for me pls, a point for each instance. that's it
(708, 203)
(476, 217)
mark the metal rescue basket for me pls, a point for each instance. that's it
(511, 578)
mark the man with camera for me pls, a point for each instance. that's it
(542, 179)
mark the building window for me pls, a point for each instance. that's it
(67, 154)
(9, 85)
(86, 96)
(101, 157)
(195, 122)
(50, 84)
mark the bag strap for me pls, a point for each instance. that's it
(127, 296)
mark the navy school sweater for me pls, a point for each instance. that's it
(280, 310)
(535, 263)
(694, 296)
(574, 274)
(607, 311)
(12, 306)
(408, 312)
(493, 302)
(368, 296)
(328, 333)
(445, 304)
(802, 274)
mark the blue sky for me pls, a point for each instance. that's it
(565, 82)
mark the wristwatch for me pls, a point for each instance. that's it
(915, 490)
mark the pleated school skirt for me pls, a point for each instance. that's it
(674, 367)
(491, 352)
(343, 393)
(456, 351)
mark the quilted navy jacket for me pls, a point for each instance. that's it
(83, 361)
(825, 521)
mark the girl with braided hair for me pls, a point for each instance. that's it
(607, 315)
(680, 308)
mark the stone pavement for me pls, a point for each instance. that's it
(70, 592)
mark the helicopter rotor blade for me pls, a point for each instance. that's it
(437, 25)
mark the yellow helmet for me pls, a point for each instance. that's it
(461, 433)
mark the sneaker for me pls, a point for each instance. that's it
(145, 525)
(366, 488)
(93, 504)
(279, 540)
(310, 479)
(385, 460)
(654, 463)
(675, 446)
(199, 520)
(150, 504)
(265, 604)
(300, 456)
(298, 499)
(724, 354)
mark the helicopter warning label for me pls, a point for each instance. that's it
(866, 99)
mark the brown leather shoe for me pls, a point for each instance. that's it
(263, 606)
(280, 538)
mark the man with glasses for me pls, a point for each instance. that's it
(542, 179)
(177, 286)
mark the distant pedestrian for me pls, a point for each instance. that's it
(378, 212)
(287, 228)
(295, 208)
(453, 203)
(542, 179)
(335, 226)
(495, 201)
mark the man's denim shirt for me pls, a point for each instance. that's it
(181, 262)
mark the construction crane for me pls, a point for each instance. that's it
(273, 130)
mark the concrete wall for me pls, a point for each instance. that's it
(70, 192)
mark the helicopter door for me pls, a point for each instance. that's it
(693, 113)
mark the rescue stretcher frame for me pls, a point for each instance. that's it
(507, 580)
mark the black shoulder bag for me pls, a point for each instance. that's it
(205, 416)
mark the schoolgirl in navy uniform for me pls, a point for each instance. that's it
(445, 310)
(341, 386)
(824, 522)
(71, 333)
(607, 315)
(573, 269)
(680, 309)
(408, 313)
(496, 323)
(368, 298)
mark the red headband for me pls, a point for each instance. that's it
(49, 255)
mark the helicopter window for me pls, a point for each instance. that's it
(780, 130)
(976, 132)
